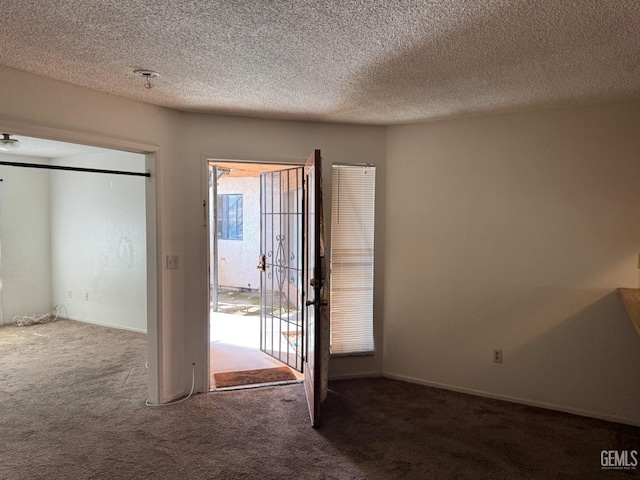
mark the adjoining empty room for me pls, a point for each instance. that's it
(73, 237)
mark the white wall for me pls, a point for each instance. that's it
(237, 259)
(25, 268)
(98, 241)
(513, 232)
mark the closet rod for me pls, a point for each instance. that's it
(75, 169)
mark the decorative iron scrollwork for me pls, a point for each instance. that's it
(281, 262)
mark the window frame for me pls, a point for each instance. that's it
(227, 228)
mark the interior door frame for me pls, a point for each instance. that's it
(206, 161)
(153, 187)
(212, 240)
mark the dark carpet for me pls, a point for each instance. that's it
(72, 407)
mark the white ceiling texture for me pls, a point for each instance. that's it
(37, 147)
(359, 61)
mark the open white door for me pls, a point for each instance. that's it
(312, 285)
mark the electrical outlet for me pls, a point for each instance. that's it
(69, 294)
(86, 296)
(172, 262)
(497, 356)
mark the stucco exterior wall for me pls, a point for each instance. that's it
(237, 259)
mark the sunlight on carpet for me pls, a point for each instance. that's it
(250, 377)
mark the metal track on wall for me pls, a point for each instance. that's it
(75, 169)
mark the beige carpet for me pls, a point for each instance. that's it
(72, 407)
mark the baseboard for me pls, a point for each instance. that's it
(523, 401)
(104, 324)
(355, 375)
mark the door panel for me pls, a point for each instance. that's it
(312, 284)
(281, 223)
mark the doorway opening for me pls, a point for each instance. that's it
(81, 243)
(255, 273)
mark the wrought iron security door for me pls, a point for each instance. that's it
(281, 265)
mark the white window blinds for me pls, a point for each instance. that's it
(352, 227)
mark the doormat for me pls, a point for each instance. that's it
(250, 377)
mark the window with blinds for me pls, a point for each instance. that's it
(352, 227)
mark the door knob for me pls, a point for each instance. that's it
(261, 263)
(322, 303)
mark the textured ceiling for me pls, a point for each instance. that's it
(36, 147)
(247, 169)
(361, 61)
